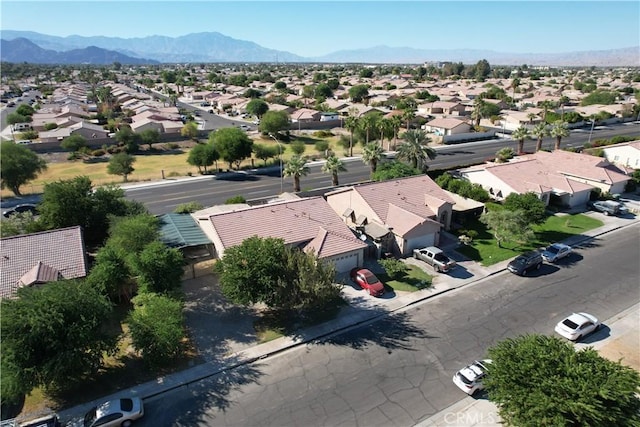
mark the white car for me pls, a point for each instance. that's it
(556, 251)
(577, 326)
(469, 378)
(119, 412)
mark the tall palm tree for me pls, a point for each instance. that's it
(368, 124)
(351, 123)
(531, 117)
(296, 167)
(514, 85)
(371, 154)
(478, 107)
(415, 149)
(384, 127)
(546, 105)
(559, 130)
(520, 135)
(333, 165)
(396, 124)
(408, 115)
(540, 131)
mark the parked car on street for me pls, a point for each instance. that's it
(607, 207)
(469, 379)
(367, 281)
(46, 421)
(23, 207)
(577, 325)
(523, 264)
(435, 257)
(118, 412)
(556, 251)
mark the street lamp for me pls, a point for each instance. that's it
(593, 123)
(280, 157)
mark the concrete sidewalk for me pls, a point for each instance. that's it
(468, 273)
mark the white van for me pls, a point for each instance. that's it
(21, 126)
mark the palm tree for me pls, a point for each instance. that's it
(408, 115)
(559, 130)
(296, 167)
(368, 123)
(514, 85)
(546, 105)
(520, 135)
(371, 154)
(384, 127)
(478, 106)
(333, 165)
(540, 131)
(396, 124)
(351, 123)
(531, 117)
(415, 149)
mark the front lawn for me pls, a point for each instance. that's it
(485, 250)
(415, 279)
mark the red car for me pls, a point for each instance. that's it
(368, 281)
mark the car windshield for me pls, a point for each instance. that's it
(553, 249)
(90, 417)
(371, 279)
(568, 323)
(520, 260)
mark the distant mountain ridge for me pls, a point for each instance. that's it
(23, 50)
(216, 47)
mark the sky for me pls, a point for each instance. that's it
(315, 28)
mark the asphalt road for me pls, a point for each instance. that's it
(397, 371)
(209, 192)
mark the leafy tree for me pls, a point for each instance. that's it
(18, 165)
(507, 225)
(52, 336)
(14, 118)
(190, 130)
(372, 154)
(393, 169)
(600, 97)
(542, 380)
(503, 155)
(110, 273)
(22, 223)
(533, 208)
(257, 107)
(158, 268)
(132, 234)
(67, 203)
(265, 152)
(203, 155)
(415, 149)
(358, 93)
(156, 325)
(73, 143)
(540, 131)
(233, 144)
(188, 207)
(25, 110)
(150, 137)
(296, 167)
(559, 130)
(265, 270)
(128, 138)
(520, 135)
(121, 164)
(298, 147)
(333, 166)
(274, 122)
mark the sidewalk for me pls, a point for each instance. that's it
(468, 273)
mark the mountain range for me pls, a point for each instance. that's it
(213, 47)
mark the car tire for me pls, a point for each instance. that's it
(524, 272)
(606, 213)
(126, 423)
(538, 266)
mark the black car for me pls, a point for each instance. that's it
(526, 262)
(24, 207)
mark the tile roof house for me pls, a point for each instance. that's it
(398, 215)
(309, 224)
(442, 107)
(447, 126)
(560, 177)
(37, 258)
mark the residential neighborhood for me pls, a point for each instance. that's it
(179, 299)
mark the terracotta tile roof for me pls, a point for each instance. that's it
(306, 222)
(407, 193)
(62, 250)
(581, 165)
(448, 123)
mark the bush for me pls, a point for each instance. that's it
(322, 146)
(188, 207)
(323, 134)
(298, 147)
(235, 199)
(97, 153)
(395, 268)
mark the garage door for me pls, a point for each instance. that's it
(420, 242)
(346, 262)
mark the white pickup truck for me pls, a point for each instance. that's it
(435, 257)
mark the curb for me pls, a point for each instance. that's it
(243, 360)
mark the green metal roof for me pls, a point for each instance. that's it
(181, 231)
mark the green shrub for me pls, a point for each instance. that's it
(323, 134)
(188, 207)
(235, 199)
(322, 146)
(395, 268)
(99, 152)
